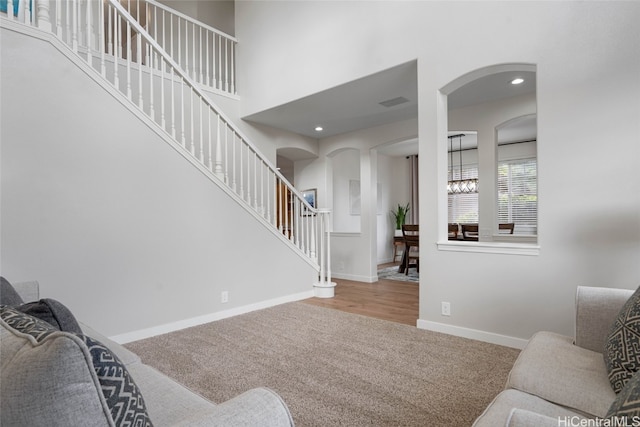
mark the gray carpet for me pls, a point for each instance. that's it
(334, 368)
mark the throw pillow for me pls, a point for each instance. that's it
(122, 394)
(627, 403)
(8, 295)
(69, 366)
(52, 312)
(622, 346)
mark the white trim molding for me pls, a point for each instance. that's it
(474, 334)
(207, 318)
(490, 247)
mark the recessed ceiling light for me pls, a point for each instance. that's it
(319, 129)
(517, 81)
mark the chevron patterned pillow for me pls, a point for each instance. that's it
(123, 397)
(622, 346)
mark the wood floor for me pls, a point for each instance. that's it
(385, 299)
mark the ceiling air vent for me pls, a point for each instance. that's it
(395, 101)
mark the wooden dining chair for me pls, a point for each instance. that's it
(411, 234)
(509, 226)
(453, 231)
(470, 232)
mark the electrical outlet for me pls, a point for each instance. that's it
(224, 297)
(446, 309)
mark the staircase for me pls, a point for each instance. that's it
(161, 78)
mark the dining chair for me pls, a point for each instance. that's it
(470, 232)
(453, 231)
(411, 234)
(509, 226)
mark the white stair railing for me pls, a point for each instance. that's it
(117, 47)
(206, 54)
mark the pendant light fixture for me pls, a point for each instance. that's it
(459, 186)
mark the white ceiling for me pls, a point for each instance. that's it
(356, 105)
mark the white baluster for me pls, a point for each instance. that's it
(59, 19)
(218, 169)
(139, 61)
(42, 14)
(226, 154)
(255, 179)
(110, 30)
(192, 113)
(179, 58)
(201, 138)
(182, 136)
(241, 174)
(220, 82)
(207, 77)
(89, 33)
(286, 211)
(194, 72)
(163, 122)
(74, 26)
(10, 10)
(128, 61)
(248, 174)
(200, 46)
(233, 68)
(226, 65)
(68, 20)
(262, 188)
(173, 104)
(152, 112)
(233, 156)
(210, 165)
(101, 23)
(280, 203)
(116, 38)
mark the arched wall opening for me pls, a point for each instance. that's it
(481, 102)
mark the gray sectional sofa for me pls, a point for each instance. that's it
(564, 381)
(53, 378)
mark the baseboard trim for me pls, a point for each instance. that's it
(475, 334)
(207, 318)
(354, 277)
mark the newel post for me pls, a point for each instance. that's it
(324, 288)
(42, 15)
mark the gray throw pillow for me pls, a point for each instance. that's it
(52, 312)
(8, 295)
(622, 346)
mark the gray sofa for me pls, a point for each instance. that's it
(49, 382)
(559, 380)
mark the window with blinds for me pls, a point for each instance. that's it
(463, 208)
(518, 194)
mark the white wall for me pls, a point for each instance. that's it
(588, 103)
(109, 218)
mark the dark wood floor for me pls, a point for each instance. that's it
(385, 299)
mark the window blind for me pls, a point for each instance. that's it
(518, 194)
